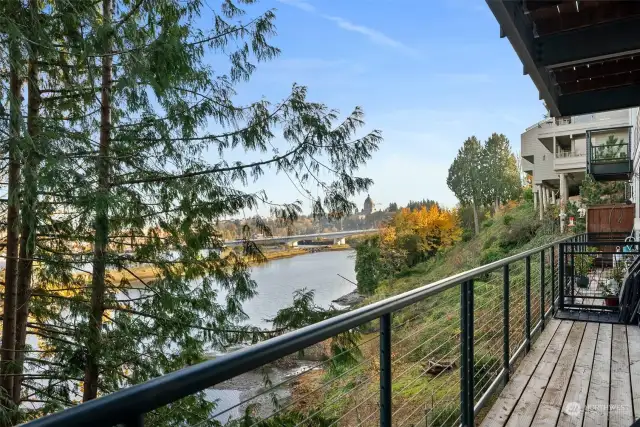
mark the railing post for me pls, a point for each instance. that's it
(553, 280)
(542, 310)
(505, 321)
(573, 271)
(466, 354)
(527, 301)
(136, 421)
(385, 370)
(561, 279)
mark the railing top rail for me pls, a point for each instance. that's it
(123, 405)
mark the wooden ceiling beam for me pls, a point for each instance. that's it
(598, 69)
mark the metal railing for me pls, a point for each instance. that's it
(586, 118)
(560, 153)
(593, 270)
(435, 355)
(609, 153)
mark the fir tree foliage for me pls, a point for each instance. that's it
(485, 175)
(128, 103)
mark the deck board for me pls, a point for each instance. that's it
(633, 342)
(580, 377)
(526, 407)
(596, 413)
(509, 396)
(577, 374)
(620, 408)
(553, 397)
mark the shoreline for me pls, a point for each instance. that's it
(350, 299)
(148, 274)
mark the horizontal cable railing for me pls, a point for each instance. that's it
(433, 356)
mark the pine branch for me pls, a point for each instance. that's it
(211, 170)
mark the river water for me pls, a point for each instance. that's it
(277, 281)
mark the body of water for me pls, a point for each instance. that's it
(278, 279)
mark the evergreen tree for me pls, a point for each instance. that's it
(466, 178)
(501, 174)
(115, 153)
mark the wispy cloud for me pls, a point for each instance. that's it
(372, 34)
(375, 36)
(300, 4)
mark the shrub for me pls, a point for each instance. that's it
(443, 415)
(488, 223)
(368, 266)
(527, 194)
(489, 242)
(520, 231)
(467, 234)
(507, 219)
(490, 255)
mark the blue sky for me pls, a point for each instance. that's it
(428, 74)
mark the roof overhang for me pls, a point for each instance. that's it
(583, 56)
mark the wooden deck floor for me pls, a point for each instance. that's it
(576, 374)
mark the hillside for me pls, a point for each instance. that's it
(511, 230)
(426, 335)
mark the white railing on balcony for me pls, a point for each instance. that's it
(561, 154)
(586, 118)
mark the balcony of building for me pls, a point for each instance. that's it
(553, 126)
(569, 153)
(609, 154)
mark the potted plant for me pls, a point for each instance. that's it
(611, 289)
(582, 265)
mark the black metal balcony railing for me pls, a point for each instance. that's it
(462, 336)
(609, 161)
(609, 152)
(593, 272)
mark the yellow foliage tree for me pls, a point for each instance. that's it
(422, 231)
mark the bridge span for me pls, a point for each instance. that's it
(337, 236)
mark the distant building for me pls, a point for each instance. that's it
(369, 206)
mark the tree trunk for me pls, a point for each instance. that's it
(102, 221)
(28, 209)
(7, 355)
(476, 222)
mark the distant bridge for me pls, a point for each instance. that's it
(337, 236)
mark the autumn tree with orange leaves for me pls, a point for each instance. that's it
(422, 232)
(410, 237)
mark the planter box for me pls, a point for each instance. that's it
(612, 302)
(582, 281)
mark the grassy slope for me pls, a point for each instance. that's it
(428, 332)
(482, 249)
